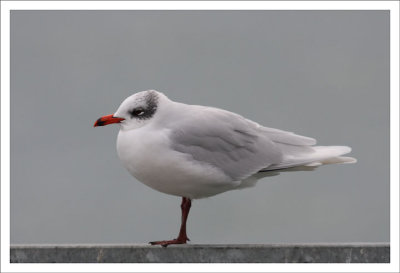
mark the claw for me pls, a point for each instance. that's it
(169, 242)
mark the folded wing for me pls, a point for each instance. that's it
(226, 141)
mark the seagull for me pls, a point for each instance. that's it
(194, 151)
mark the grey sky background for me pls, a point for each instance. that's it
(323, 74)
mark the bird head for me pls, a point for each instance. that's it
(135, 111)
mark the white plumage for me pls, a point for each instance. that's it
(196, 151)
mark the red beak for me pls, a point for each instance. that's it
(107, 120)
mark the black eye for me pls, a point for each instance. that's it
(137, 112)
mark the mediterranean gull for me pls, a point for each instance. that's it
(195, 151)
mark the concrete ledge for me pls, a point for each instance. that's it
(305, 253)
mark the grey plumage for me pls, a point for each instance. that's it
(240, 147)
(197, 151)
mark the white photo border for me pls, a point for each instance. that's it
(7, 7)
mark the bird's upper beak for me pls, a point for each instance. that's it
(107, 120)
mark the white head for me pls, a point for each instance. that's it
(135, 111)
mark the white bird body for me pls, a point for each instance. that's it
(152, 151)
(170, 172)
(146, 153)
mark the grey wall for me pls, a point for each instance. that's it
(323, 74)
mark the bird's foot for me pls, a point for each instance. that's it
(171, 242)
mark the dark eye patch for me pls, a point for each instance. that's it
(147, 111)
(137, 112)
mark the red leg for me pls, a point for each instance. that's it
(182, 237)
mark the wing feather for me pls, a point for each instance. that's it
(226, 141)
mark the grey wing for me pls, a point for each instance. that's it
(226, 141)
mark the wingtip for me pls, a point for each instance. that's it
(348, 160)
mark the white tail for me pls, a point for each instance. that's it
(294, 156)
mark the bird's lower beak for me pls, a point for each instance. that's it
(107, 120)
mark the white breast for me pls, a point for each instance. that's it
(146, 154)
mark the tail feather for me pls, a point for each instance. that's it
(311, 156)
